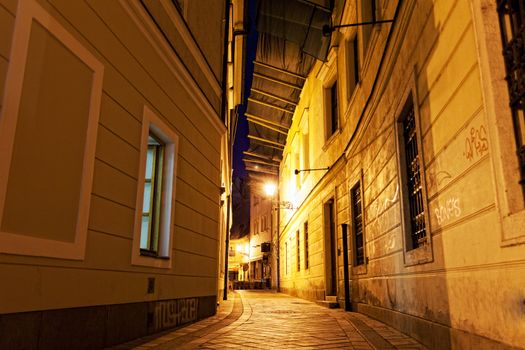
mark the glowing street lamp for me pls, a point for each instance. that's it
(269, 189)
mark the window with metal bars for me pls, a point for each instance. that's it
(357, 225)
(512, 24)
(298, 247)
(334, 109)
(306, 262)
(413, 184)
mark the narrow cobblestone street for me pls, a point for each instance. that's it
(267, 320)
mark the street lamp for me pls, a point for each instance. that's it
(269, 189)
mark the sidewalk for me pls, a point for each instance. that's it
(268, 320)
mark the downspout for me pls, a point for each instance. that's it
(224, 116)
(227, 249)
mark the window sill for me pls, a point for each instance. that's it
(513, 229)
(360, 269)
(419, 256)
(330, 140)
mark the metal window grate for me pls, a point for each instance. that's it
(357, 223)
(413, 171)
(298, 247)
(306, 262)
(334, 109)
(512, 24)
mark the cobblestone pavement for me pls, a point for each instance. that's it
(269, 320)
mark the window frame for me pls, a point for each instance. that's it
(306, 246)
(11, 243)
(151, 123)
(424, 253)
(355, 262)
(154, 205)
(329, 118)
(298, 249)
(352, 65)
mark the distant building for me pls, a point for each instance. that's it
(260, 237)
(115, 170)
(403, 161)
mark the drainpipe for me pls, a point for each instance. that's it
(278, 237)
(227, 249)
(224, 116)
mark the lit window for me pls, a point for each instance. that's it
(149, 233)
(156, 193)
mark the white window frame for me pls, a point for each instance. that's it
(151, 123)
(30, 11)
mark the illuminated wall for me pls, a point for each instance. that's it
(440, 62)
(82, 84)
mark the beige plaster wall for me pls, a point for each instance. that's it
(474, 282)
(134, 75)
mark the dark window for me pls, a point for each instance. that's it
(298, 245)
(352, 66)
(334, 109)
(368, 8)
(357, 224)
(285, 258)
(413, 184)
(512, 24)
(306, 262)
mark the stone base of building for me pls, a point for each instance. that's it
(431, 334)
(97, 327)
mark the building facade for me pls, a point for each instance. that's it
(415, 214)
(115, 125)
(260, 237)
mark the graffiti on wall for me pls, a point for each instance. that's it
(436, 179)
(171, 313)
(476, 143)
(450, 210)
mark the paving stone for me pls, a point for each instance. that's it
(269, 320)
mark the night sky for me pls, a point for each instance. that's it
(241, 141)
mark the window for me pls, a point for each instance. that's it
(357, 225)
(368, 14)
(149, 233)
(285, 258)
(298, 245)
(332, 110)
(511, 19)
(152, 239)
(412, 182)
(352, 65)
(305, 239)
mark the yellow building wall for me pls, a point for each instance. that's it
(135, 75)
(473, 284)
